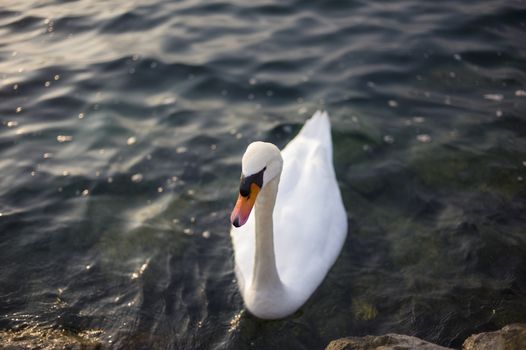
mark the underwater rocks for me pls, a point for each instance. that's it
(511, 337)
(43, 338)
(383, 342)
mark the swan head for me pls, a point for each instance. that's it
(261, 163)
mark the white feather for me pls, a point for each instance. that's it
(309, 224)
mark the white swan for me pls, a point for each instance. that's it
(285, 249)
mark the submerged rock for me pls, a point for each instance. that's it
(511, 337)
(42, 338)
(383, 342)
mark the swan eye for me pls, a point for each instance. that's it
(244, 190)
(257, 179)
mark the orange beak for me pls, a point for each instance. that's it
(244, 206)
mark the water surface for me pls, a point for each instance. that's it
(122, 125)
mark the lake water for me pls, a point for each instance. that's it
(122, 125)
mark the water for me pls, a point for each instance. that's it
(122, 125)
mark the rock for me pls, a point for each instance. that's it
(42, 338)
(511, 337)
(383, 342)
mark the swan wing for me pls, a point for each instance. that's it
(310, 221)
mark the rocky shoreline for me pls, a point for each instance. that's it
(511, 337)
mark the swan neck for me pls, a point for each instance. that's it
(265, 271)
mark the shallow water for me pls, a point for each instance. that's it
(122, 125)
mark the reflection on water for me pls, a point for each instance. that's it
(121, 131)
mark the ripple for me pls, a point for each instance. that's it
(23, 23)
(122, 128)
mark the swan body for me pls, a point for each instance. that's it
(286, 247)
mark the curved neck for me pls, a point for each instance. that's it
(265, 274)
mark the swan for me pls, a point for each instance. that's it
(284, 250)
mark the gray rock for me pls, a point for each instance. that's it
(511, 337)
(383, 342)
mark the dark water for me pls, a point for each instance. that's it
(122, 124)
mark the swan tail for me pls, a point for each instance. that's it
(318, 127)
